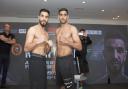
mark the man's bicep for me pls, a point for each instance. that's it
(75, 35)
(29, 36)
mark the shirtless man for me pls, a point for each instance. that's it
(67, 40)
(38, 45)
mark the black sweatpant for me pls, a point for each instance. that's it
(4, 65)
(37, 72)
(84, 68)
(65, 72)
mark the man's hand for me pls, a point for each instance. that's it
(47, 47)
(50, 42)
(63, 41)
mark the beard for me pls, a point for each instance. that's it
(43, 23)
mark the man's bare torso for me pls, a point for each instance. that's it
(39, 34)
(64, 33)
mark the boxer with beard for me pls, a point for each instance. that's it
(38, 44)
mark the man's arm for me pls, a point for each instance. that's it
(76, 40)
(8, 40)
(29, 44)
(89, 41)
(11, 41)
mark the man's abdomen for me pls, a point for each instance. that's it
(39, 50)
(64, 51)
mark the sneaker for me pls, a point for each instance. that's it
(77, 77)
(83, 77)
(81, 87)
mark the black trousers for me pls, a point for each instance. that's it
(37, 72)
(65, 72)
(84, 68)
(4, 65)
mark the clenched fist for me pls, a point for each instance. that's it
(47, 47)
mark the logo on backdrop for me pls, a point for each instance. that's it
(22, 31)
(16, 49)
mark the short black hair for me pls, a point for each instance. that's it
(44, 10)
(82, 30)
(63, 9)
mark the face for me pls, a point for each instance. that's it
(81, 33)
(7, 28)
(115, 54)
(84, 33)
(43, 18)
(63, 17)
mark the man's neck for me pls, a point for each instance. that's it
(64, 25)
(42, 27)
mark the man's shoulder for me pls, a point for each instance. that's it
(1, 33)
(12, 35)
(58, 28)
(72, 26)
(32, 28)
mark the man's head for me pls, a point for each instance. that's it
(115, 51)
(43, 17)
(7, 27)
(82, 32)
(63, 15)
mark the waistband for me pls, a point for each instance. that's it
(65, 56)
(37, 55)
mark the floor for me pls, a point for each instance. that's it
(97, 86)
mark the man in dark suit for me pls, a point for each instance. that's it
(85, 40)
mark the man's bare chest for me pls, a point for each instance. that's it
(39, 34)
(64, 34)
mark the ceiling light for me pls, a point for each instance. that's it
(118, 16)
(45, 0)
(102, 10)
(84, 2)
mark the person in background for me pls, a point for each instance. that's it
(7, 39)
(86, 41)
(81, 57)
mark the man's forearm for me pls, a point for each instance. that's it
(29, 47)
(75, 46)
(10, 41)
